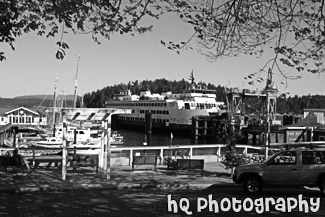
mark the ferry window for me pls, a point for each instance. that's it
(10, 119)
(165, 104)
(187, 106)
(153, 111)
(132, 110)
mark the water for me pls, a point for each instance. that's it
(136, 138)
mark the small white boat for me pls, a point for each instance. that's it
(51, 142)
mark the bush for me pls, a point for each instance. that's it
(233, 159)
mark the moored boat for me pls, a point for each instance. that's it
(51, 142)
(168, 111)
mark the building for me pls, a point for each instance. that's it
(314, 116)
(22, 116)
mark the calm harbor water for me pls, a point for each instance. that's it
(136, 138)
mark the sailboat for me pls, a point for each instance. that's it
(76, 134)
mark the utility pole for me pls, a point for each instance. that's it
(269, 88)
(267, 124)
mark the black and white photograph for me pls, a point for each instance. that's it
(162, 108)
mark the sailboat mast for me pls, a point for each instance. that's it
(76, 85)
(54, 105)
(54, 101)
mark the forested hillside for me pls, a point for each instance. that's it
(285, 104)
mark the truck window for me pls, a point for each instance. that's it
(284, 158)
(313, 157)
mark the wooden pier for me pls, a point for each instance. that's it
(209, 127)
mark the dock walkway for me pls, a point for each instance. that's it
(122, 177)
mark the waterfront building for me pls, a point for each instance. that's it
(22, 116)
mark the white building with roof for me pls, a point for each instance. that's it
(22, 116)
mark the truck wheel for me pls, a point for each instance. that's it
(252, 185)
(322, 186)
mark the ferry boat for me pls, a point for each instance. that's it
(169, 112)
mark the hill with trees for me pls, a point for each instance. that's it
(30, 101)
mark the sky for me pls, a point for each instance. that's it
(32, 68)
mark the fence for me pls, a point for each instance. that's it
(124, 155)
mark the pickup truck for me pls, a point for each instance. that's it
(293, 167)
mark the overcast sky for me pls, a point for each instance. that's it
(32, 68)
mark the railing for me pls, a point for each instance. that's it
(209, 152)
